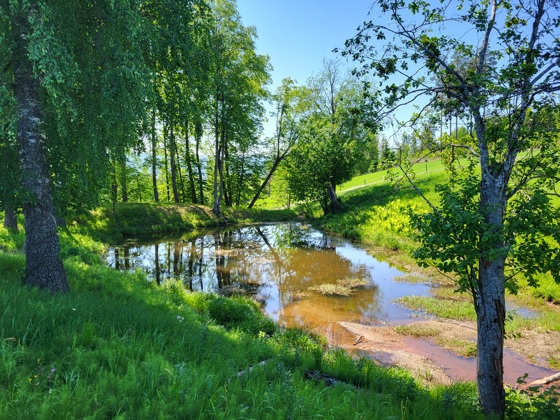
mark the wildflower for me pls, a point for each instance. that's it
(180, 318)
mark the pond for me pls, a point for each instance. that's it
(282, 266)
(279, 264)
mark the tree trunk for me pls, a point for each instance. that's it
(114, 186)
(173, 164)
(181, 179)
(154, 157)
(188, 158)
(334, 204)
(241, 180)
(217, 190)
(44, 267)
(10, 220)
(198, 135)
(166, 163)
(266, 181)
(122, 177)
(225, 181)
(490, 299)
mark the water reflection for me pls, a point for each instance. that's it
(278, 263)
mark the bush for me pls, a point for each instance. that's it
(239, 312)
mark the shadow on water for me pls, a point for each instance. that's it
(278, 264)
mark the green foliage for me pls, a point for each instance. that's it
(532, 402)
(333, 137)
(239, 312)
(11, 242)
(452, 237)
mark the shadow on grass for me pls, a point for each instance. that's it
(118, 345)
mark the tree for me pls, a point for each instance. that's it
(292, 104)
(75, 72)
(328, 151)
(237, 86)
(495, 219)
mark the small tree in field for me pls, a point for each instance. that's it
(495, 220)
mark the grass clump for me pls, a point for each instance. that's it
(331, 289)
(450, 309)
(342, 287)
(460, 347)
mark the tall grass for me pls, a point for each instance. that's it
(118, 346)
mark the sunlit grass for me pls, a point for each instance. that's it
(460, 347)
(450, 309)
(118, 346)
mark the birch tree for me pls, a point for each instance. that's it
(75, 72)
(495, 219)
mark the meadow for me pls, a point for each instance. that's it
(119, 346)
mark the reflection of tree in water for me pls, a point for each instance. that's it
(223, 241)
(299, 236)
(278, 261)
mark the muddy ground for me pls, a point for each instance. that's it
(530, 353)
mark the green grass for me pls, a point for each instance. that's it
(342, 287)
(420, 169)
(131, 219)
(118, 346)
(450, 309)
(460, 347)
(377, 215)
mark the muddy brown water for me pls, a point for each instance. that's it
(278, 264)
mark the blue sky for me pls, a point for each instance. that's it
(298, 34)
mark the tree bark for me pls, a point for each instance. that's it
(44, 267)
(10, 220)
(114, 186)
(198, 136)
(490, 299)
(122, 177)
(166, 163)
(173, 164)
(489, 292)
(267, 180)
(188, 160)
(225, 180)
(154, 157)
(217, 187)
(334, 204)
(240, 182)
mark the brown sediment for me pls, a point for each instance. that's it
(426, 360)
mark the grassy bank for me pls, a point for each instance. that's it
(377, 215)
(129, 219)
(118, 346)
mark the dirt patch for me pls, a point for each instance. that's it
(538, 346)
(388, 347)
(433, 364)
